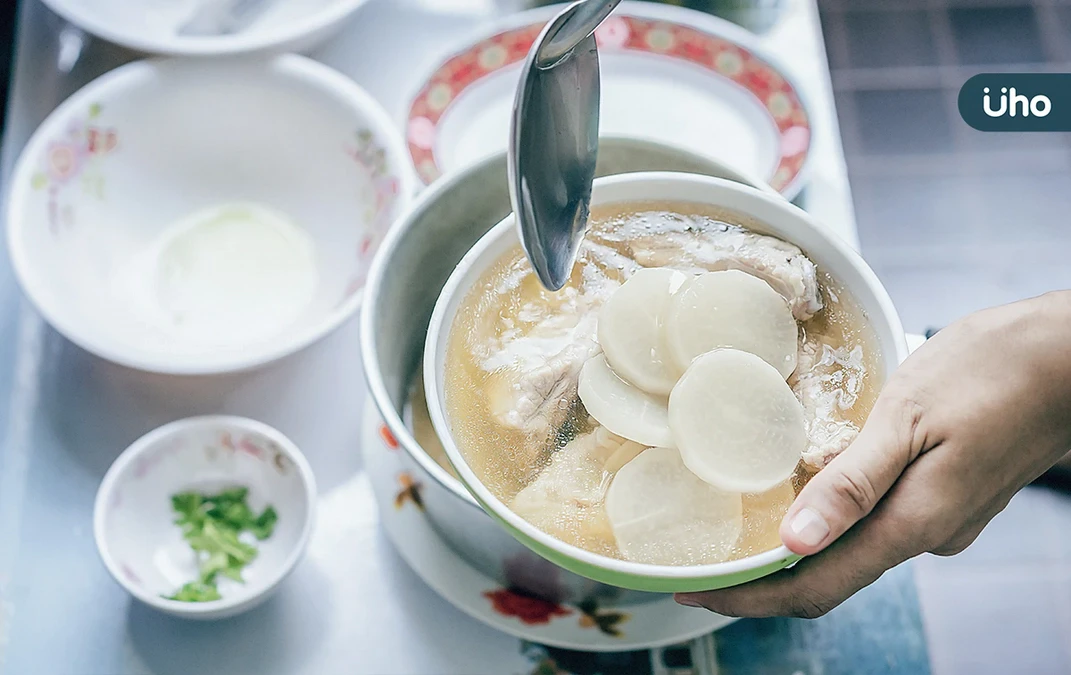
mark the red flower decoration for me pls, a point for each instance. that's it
(101, 140)
(388, 437)
(529, 610)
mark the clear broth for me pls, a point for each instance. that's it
(508, 302)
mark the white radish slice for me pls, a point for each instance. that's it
(736, 422)
(630, 329)
(662, 514)
(730, 309)
(622, 408)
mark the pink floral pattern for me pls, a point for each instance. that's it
(386, 188)
(613, 33)
(73, 162)
(254, 446)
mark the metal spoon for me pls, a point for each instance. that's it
(554, 139)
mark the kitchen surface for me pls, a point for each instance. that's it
(950, 219)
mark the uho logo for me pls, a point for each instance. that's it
(1017, 102)
(1038, 106)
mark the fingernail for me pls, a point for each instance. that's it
(811, 528)
(687, 602)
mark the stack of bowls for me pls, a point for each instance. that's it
(411, 270)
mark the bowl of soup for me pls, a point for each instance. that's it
(648, 425)
(411, 267)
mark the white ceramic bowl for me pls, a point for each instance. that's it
(285, 25)
(153, 141)
(133, 520)
(783, 220)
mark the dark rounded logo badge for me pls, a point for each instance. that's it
(1017, 102)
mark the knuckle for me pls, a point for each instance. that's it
(907, 409)
(855, 489)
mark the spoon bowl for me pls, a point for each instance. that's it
(554, 139)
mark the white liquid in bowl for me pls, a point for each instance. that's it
(225, 276)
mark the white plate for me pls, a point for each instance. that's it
(679, 77)
(609, 628)
(151, 25)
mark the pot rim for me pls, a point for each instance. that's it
(423, 203)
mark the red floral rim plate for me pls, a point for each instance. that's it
(587, 627)
(699, 72)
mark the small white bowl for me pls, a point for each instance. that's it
(133, 522)
(154, 141)
(285, 25)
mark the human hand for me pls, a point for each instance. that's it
(976, 413)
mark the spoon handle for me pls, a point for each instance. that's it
(580, 21)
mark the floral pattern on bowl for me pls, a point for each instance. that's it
(73, 160)
(150, 143)
(371, 156)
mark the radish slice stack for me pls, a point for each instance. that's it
(721, 346)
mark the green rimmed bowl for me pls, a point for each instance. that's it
(783, 220)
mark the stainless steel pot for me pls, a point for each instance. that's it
(409, 270)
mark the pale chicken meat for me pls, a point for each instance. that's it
(778, 263)
(534, 385)
(827, 382)
(536, 367)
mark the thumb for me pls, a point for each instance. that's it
(850, 486)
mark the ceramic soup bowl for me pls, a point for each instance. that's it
(782, 220)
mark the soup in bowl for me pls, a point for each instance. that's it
(649, 425)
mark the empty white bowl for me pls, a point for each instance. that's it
(152, 26)
(133, 521)
(154, 141)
